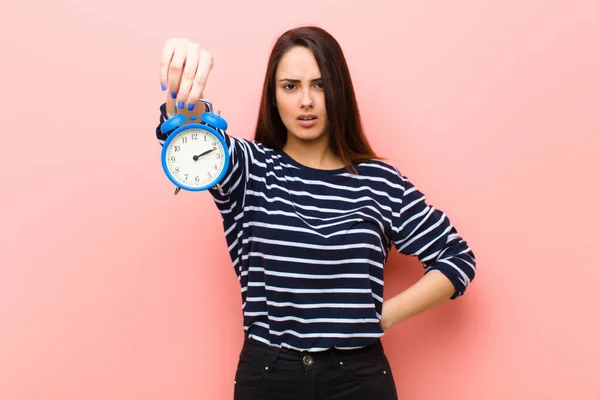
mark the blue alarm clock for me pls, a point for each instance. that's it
(195, 156)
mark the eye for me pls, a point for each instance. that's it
(289, 86)
(319, 85)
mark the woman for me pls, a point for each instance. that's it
(310, 214)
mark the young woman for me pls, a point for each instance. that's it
(310, 214)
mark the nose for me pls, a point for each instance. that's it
(306, 99)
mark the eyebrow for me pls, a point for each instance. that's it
(298, 80)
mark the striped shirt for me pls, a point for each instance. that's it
(309, 246)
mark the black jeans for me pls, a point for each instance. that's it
(268, 373)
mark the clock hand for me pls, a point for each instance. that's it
(203, 154)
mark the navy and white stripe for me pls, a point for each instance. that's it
(309, 246)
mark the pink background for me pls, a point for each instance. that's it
(113, 288)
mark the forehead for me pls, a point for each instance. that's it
(298, 62)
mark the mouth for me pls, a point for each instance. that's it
(307, 117)
(307, 120)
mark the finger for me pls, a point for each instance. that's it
(204, 66)
(176, 68)
(165, 61)
(188, 75)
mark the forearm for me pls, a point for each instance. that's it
(431, 290)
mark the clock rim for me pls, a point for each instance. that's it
(211, 131)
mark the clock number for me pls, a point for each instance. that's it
(197, 179)
(186, 175)
(209, 175)
(194, 136)
(216, 167)
(172, 159)
(177, 170)
(214, 145)
(176, 148)
(184, 139)
(218, 156)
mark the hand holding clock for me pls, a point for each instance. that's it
(184, 70)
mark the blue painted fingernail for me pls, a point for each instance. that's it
(191, 107)
(174, 95)
(180, 104)
(163, 86)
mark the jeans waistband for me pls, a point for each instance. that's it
(254, 350)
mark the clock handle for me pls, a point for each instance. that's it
(210, 117)
(208, 105)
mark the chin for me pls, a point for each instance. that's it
(311, 134)
(307, 136)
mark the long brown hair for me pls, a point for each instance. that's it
(347, 138)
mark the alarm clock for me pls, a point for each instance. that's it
(195, 156)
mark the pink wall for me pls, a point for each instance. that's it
(110, 286)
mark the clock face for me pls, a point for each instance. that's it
(195, 158)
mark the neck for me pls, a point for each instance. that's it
(313, 153)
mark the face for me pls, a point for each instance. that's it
(300, 96)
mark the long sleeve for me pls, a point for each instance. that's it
(422, 230)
